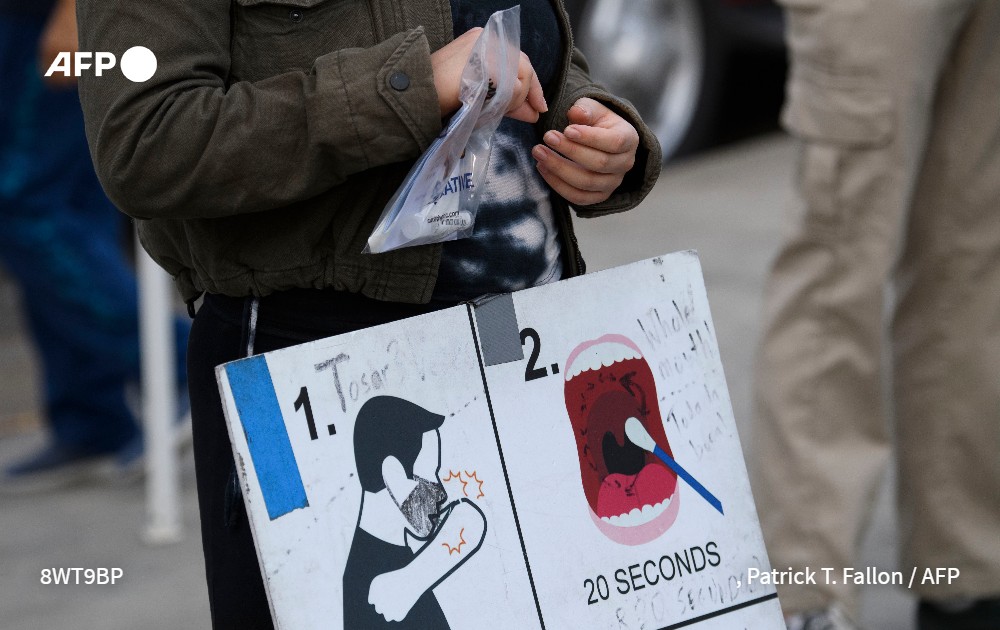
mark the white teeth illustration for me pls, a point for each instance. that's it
(600, 355)
(638, 517)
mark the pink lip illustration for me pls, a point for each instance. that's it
(633, 496)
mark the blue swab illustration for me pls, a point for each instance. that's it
(641, 438)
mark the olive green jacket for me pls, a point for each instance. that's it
(262, 151)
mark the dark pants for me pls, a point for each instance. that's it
(220, 334)
(62, 241)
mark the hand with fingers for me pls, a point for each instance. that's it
(588, 160)
(448, 63)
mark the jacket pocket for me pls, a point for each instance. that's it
(270, 37)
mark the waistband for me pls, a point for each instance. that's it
(303, 315)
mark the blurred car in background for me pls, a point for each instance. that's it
(676, 60)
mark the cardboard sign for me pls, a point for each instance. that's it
(560, 457)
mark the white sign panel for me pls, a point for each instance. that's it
(562, 457)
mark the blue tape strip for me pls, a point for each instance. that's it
(271, 450)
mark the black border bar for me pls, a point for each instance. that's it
(724, 611)
(503, 463)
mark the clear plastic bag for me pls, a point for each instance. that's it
(440, 196)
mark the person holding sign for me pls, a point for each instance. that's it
(259, 155)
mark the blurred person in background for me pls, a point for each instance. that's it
(897, 106)
(63, 242)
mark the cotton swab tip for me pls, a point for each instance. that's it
(638, 434)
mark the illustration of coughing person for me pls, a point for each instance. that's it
(406, 542)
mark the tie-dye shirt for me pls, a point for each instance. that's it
(515, 242)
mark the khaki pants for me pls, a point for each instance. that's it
(897, 105)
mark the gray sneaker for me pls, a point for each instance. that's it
(51, 468)
(129, 463)
(832, 618)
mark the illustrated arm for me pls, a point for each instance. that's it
(393, 594)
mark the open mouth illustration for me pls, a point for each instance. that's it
(632, 494)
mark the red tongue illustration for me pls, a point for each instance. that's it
(632, 495)
(620, 494)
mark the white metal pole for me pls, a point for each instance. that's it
(159, 403)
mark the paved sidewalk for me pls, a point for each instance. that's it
(727, 204)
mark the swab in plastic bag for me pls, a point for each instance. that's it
(440, 196)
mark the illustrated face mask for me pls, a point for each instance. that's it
(421, 506)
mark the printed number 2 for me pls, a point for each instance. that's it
(530, 371)
(600, 587)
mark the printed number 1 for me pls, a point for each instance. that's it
(303, 401)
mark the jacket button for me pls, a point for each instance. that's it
(399, 81)
(295, 15)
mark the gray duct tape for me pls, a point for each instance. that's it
(499, 334)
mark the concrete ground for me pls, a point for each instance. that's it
(727, 204)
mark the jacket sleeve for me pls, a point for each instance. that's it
(183, 144)
(640, 180)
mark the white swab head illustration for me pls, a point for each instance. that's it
(639, 436)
